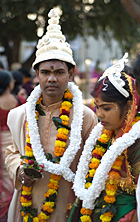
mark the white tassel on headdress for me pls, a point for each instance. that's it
(114, 75)
(117, 67)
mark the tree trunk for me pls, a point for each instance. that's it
(133, 9)
(11, 50)
(8, 50)
(28, 63)
(16, 47)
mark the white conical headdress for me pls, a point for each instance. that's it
(53, 44)
(114, 75)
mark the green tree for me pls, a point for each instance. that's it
(106, 18)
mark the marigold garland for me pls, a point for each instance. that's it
(97, 154)
(114, 175)
(29, 161)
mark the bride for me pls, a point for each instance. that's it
(108, 170)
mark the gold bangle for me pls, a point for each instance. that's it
(21, 172)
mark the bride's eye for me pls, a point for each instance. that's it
(107, 108)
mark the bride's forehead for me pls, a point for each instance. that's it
(99, 102)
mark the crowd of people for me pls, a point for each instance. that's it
(15, 87)
(64, 161)
(8, 101)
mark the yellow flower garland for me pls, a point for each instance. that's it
(53, 185)
(114, 175)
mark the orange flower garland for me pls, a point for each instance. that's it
(113, 180)
(27, 212)
(98, 152)
(111, 186)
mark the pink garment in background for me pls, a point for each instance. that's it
(128, 217)
(6, 184)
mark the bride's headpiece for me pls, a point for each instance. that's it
(114, 75)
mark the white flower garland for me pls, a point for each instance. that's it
(98, 184)
(63, 168)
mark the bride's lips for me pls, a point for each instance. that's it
(103, 123)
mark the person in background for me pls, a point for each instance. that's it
(22, 92)
(18, 89)
(109, 167)
(15, 66)
(7, 102)
(18, 78)
(95, 75)
(49, 132)
(1, 66)
(27, 82)
(136, 73)
(35, 81)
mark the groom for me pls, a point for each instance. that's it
(49, 130)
